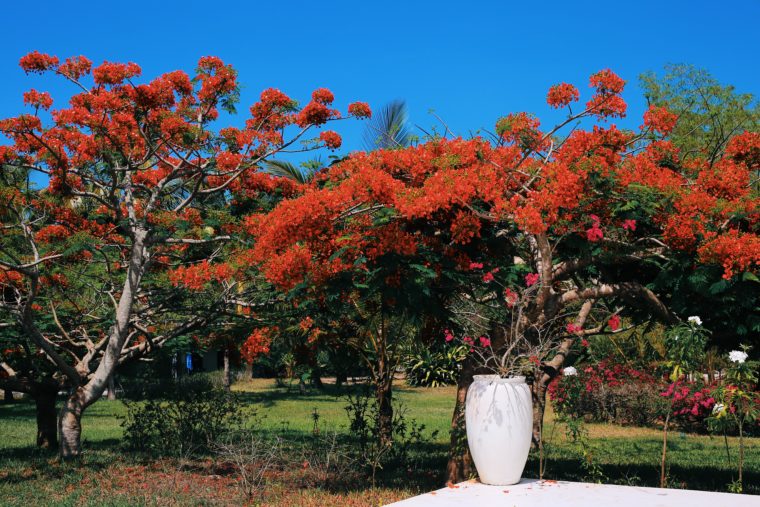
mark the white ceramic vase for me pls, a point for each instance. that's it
(499, 417)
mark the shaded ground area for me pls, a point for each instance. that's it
(108, 475)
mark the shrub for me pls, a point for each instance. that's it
(186, 425)
(408, 435)
(433, 368)
(251, 456)
(609, 392)
(169, 388)
(692, 404)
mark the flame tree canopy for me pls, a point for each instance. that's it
(595, 214)
(597, 221)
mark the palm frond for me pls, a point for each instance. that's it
(388, 128)
(288, 170)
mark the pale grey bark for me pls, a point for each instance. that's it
(87, 393)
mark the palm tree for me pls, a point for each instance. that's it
(388, 128)
(289, 170)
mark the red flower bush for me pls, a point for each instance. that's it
(609, 392)
(690, 401)
(614, 392)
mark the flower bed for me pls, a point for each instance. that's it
(612, 392)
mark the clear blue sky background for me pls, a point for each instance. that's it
(470, 61)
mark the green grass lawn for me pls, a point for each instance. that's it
(109, 475)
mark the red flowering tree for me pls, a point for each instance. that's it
(138, 196)
(588, 221)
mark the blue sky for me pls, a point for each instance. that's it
(471, 62)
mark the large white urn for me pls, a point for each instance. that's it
(499, 417)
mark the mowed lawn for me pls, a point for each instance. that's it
(109, 475)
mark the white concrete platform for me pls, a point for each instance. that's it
(535, 493)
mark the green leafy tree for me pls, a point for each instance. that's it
(710, 113)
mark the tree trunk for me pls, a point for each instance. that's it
(741, 455)
(538, 393)
(227, 379)
(248, 371)
(316, 378)
(340, 378)
(47, 419)
(663, 460)
(384, 393)
(460, 466)
(111, 388)
(70, 425)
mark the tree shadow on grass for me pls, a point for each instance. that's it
(21, 409)
(30, 463)
(108, 447)
(328, 393)
(26, 409)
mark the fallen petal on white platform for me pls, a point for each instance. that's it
(535, 493)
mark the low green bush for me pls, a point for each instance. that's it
(187, 424)
(435, 367)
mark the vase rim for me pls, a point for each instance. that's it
(519, 379)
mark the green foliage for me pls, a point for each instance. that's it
(730, 308)
(685, 347)
(388, 128)
(373, 452)
(738, 400)
(289, 170)
(435, 366)
(577, 434)
(184, 426)
(709, 112)
(739, 404)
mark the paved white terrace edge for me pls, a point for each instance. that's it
(535, 493)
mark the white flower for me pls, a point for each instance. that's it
(569, 371)
(695, 320)
(718, 408)
(737, 356)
